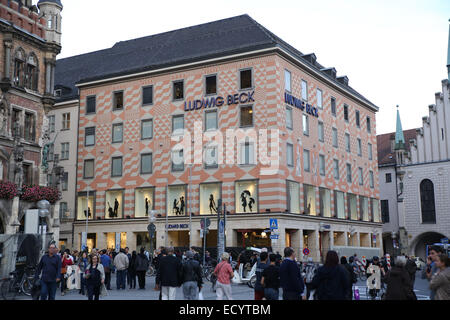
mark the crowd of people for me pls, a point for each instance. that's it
(334, 280)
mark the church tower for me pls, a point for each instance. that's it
(51, 11)
(400, 146)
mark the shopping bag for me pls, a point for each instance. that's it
(103, 291)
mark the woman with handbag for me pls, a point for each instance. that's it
(95, 278)
(82, 265)
(224, 274)
(65, 261)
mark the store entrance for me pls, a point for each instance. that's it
(178, 238)
(258, 238)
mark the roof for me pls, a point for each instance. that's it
(215, 39)
(386, 155)
(58, 2)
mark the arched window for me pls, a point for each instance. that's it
(427, 201)
(32, 75)
(19, 68)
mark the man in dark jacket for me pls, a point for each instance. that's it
(50, 267)
(351, 276)
(142, 264)
(398, 282)
(290, 277)
(411, 268)
(191, 277)
(169, 275)
(260, 266)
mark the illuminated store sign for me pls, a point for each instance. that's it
(298, 103)
(212, 102)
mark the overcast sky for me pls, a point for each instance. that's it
(393, 52)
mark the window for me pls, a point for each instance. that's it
(19, 69)
(86, 206)
(177, 124)
(346, 112)
(371, 181)
(325, 202)
(88, 169)
(306, 161)
(336, 169)
(319, 99)
(289, 121)
(65, 181)
(114, 204)
(360, 176)
(63, 210)
(144, 201)
(347, 142)
(333, 107)
(357, 118)
(147, 129)
(178, 90)
(211, 120)
(290, 155)
(117, 134)
(89, 139)
(375, 210)
(427, 201)
(211, 84)
(370, 151)
(359, 147)
(30, 127)
(368, 125)
(246, 196)
(51, 152)
(385, 211)
(246, 79)
(247, 116)
(176, 200)
(352, 207)
(304, 90)
(118, 100)
(309, 199)
(211, 157)
(287, 80)
(27, 174)
(321, 164)
(335, 137)
(32, 76)
(349, 173)
(247, 153)
(116, 168)
(388, 178)
(66, 121)
(65, 151)
(146, 163)
(147, 95)
(294, 196)
(364, 208)
(177, 160)
(90, 104)
(339, 204)
(209, 194)
(305, 125)
(320, 129)
(51, 123)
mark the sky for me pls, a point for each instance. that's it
(394, 52)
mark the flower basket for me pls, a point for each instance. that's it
(8, 190)
(37, 193)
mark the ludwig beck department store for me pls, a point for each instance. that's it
(225, 110)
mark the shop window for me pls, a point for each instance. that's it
(116, 167)
(325, 202)
(176, 200)
(339, 204)
(88, 171)
(245, 79)
(118, 100)
(147, 95)
(352, 206)
(287, 81)
(147, 129)
(294, 196)
(146, 163)
(364, 208)
(143, 201)
(89, 136)
(211, 84)
(246, 196)
(116, 240)
(209, 194)
(178, 90)
(86, 206)
(246, 116)
(114, 204)
(90, 104)
(309, 193)
(211, 120)
(117, 132)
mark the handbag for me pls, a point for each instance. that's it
(103, 291)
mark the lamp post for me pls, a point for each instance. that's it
(189, 206)
(394, 245)
(43, 206)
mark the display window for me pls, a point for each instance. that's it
(143, 201)
(176, 200)
(114, 204)
(325, 202)
(246, 196)
(86, 206)
(209, 195)
(294, 196)
(310, 199)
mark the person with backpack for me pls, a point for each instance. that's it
(191, 277)
(310, 271)
(270, 279)
(141, 267)
(352, 276)
(95, 277)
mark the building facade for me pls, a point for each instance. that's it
(251, 121)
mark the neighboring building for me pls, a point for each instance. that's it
(417, 200)
(31, 42)
(322, 186)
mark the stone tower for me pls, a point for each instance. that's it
(400, 147)
(51, 11)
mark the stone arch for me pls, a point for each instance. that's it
(419, 243)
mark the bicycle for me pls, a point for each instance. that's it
(207, 271)
(18, 283)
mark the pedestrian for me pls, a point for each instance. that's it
(291, 279)
(374, 276)
(260, 266)
(95, 277)
(432, 268)
(82, 265)
(121, 264)
(132, 271)
(49, 272)
(270, 279)
(411, 268)
(162, 254)
(105, 260)
(66, 260)
(351, 276)
(332, 280)
(310, 272)
(191, 277)
(169, 275)
(440, 281)
(141, 267)
(279, 258)
(398, 282)
(224, 274)
(128, 254)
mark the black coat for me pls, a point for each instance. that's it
(169, 272)
(192, 272)
(332, 283)
(142, 262)
(399, 285)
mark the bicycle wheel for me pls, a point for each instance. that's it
(208, 274)
(8, 289)
(27, 286)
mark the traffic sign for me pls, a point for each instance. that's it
(221, 227)
(151, 229)
(208, 222)
(274, 236)
(273, 224)
(306, 251)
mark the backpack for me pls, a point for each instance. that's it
(311, 271)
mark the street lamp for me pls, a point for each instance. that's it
(43, 212)
(394, 245)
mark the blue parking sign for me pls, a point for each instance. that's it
(273, 224)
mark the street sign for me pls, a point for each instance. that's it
(151, 229)
(208, 222)
(444, 240)
(306, 251)
(274, 236)
(221, 226)
(273, 224)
